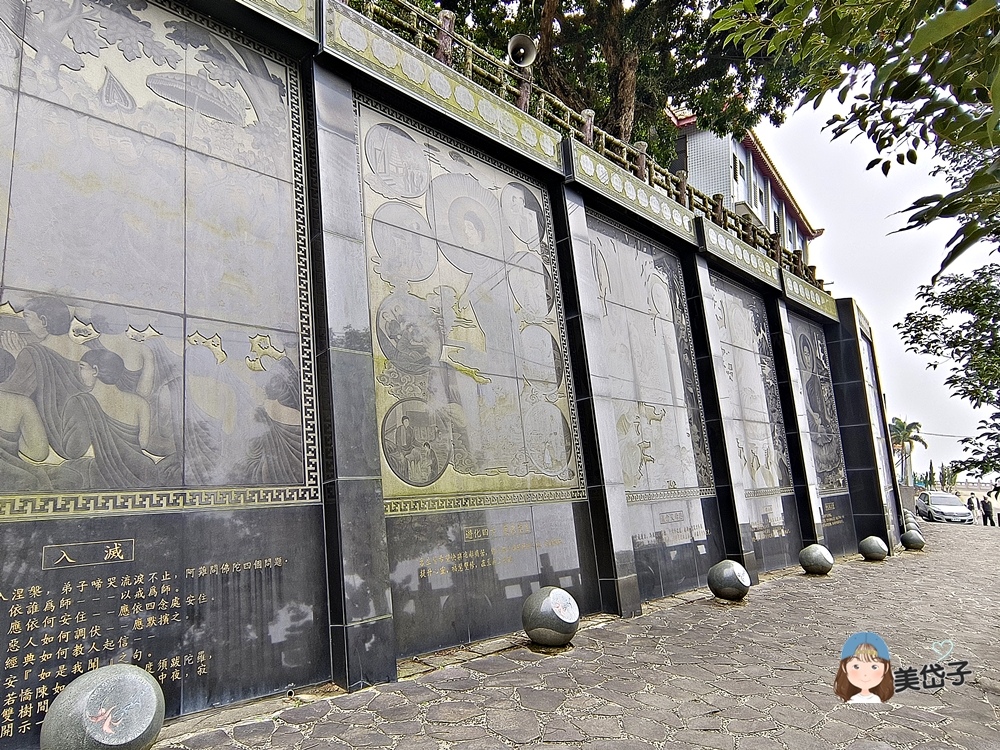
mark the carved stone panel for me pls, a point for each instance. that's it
(821, 409)
(154, 313)
(472, 390)
(754, 427)
(660, 423)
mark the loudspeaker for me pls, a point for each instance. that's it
(521, 50)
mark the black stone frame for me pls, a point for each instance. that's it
(876, 508)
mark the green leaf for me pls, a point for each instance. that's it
(886, 166)
(994, 120)
(946, 24)
(872, 163)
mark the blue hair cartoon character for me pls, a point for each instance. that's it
(865, 672)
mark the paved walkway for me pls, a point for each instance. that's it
(692, 672)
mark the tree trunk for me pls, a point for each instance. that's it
(623, 67)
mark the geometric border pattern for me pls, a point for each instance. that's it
(678, 493)
(99, 503)
(444, 504)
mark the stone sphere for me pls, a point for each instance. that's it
(119, 707)
(816, 559)
(872, 548)
(912, 540)
(550, 616)
(729, 580)
(910, 526)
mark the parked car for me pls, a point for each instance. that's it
(942, 506)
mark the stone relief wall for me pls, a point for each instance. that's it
(660, 423)
(883, 460)
(472, 391)
(821, 409)
(154, 316)
(755, 430)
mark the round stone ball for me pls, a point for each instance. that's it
(729, 580)
(912, 540)
(872, 548)
(550, 616)
(910, 526)
(119, 707)
(816, 559)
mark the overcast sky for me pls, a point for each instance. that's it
(881, 270)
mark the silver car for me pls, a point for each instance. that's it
(942, 506)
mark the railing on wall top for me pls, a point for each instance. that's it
(435, 35)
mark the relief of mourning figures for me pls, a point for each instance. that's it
(101, 398)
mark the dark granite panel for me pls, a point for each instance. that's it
(589, 447)
(838, 524)
(588, 595)
(346, 277)
(363, 549)
(465, 575)
(852, 407)
(715, 549)
(428, 598)
(334, 103)
(647, 547)
(845, 366)
(340, 189)
(371, 653)
(866, 490)
(334, 553)
(74, 211)
(565, 546)
(495, 592)
(858, 446)
(104, 383)
(239, 234)
(192, 597)
(602, 531)
(357, 446)
(143, 89)
(243, 422)
(873, 524)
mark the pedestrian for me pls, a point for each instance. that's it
(987, 505)
(972, 503)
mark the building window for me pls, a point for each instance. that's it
(759, 200)
(777, 223)
(736, 168)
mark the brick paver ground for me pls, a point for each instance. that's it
(692, 672)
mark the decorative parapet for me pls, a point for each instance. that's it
(735, 252)
(353, 37)
(809, 296)
(603, 176)
(863, 322)
(297, 14)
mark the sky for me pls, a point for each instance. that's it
(880, 270)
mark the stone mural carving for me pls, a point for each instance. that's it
(152, 309)
(821, 409)
(661, 430)
(472, 391)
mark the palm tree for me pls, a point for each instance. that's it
(903, 435)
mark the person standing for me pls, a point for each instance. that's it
(972, 503)
(987, 506)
